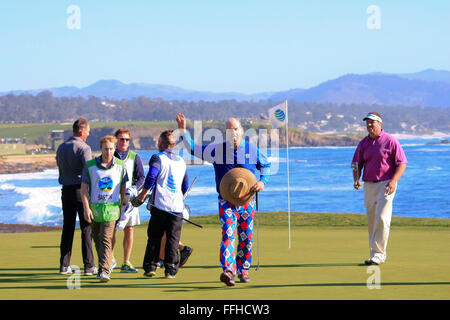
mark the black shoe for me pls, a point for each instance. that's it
(169, 275)
(150, 273)
(374, 261)
(227, 277)
(185, 254)
(244, 277)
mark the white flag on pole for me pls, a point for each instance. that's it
(278, 115)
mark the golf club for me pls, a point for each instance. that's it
(257, 232)
(149, 204)
(189, 189)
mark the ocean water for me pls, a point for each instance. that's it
(320, 181)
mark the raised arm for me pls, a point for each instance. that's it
(196, 150)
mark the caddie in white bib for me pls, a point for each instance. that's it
(104, 186)
(168, 195)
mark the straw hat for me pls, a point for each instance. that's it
(235, 186)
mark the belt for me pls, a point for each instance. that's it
(376, 181)
(72, 186)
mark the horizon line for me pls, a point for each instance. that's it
(222, 92)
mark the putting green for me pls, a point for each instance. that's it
(322, 263)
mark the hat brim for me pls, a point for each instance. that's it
(374, 118)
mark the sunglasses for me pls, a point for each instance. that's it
(124, 139)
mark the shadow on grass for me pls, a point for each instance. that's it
(25, 274)
(44, 247)
(211, 285)
(39, 278)
(305, 265)
(40, 274)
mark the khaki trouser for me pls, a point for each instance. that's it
(102, 233)
(379, 214)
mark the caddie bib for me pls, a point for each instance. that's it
(129, 166)
(105, 185)
(168, 195)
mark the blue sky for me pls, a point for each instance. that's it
(243, 46)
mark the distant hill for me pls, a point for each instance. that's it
(425, 88)
(429, 75)
(374, 89)
(114, 89)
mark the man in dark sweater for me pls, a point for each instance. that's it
(71, 158)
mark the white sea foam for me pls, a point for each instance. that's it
(337, 147)
(280, 160)
(42, 204)
(434, 169)
(201, 191)
(323, 147)
(7, 187)
(430, 150)
(313, 188)
(427, 136)
(413, 144)
(47, 174)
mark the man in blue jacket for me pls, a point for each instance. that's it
(235, 152)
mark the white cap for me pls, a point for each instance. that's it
(373, 117)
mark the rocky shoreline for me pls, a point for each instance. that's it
(25, 228)
(39, 163)
(27, 163)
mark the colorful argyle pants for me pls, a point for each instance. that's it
(242, 217)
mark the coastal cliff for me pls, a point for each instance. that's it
(146, 139)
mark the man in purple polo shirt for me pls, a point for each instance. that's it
(384, 163)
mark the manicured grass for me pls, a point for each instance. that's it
(33, 131)
(307, 219)
(324, 262)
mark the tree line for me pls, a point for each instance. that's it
(44, 107)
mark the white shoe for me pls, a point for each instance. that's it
(66, 270)
(90, 272)
(376, 260)
(104, 277)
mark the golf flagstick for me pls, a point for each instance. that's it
(257, 231)
(279, 118)
(287, 171)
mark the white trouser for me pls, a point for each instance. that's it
(129, 216)
(379, 214)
